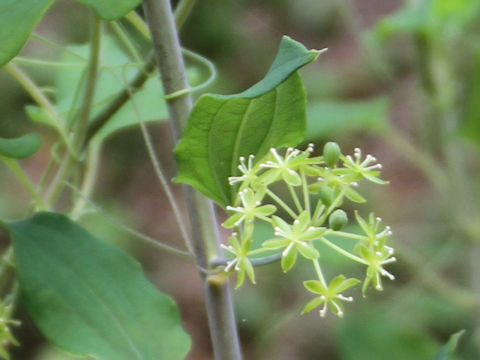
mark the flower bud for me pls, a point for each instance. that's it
(331, 153)
(337, 220)
(326, 195)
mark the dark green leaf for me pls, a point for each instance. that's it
(91, 298)
(447, 349)
(17, 20)
(111, 9)
(116, 72)
(222, 128)
(327, 118)
(20, 148)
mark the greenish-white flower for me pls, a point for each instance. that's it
(376, 260)
(250, 209)
(330, 296)
(240, 262)
(372, 228)
(249, 172)
(359, 168)
(295, 238)
(287, 167)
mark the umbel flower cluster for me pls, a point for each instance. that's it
(316, 188)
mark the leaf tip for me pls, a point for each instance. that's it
(317, 53)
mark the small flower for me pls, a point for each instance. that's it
(330, 296)
(294, 238)
(281, 167)
(286, 167)
(376, 259)
(340, 183)
(375, 236)
(240, 263)
(249, 172)
(359, 168)
(251, 208)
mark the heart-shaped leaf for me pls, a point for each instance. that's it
(17, 20)
(21, 147)
(91, 298)
(222, 128)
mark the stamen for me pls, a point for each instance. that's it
(345, 298)
(323, 311)
(230, 264)
(389, 261)
(387, 274)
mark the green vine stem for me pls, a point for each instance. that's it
(181, 14)
(172, 69)
(81, 127)
(36, 93)
(147, 239)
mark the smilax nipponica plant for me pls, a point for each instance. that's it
(316, 188)
(236, 150)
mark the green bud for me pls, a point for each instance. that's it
(338, 219)
(326, 195)
(331, 153)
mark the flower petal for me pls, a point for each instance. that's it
(288, 261)
(315, 286)
(232, 220)
(312, 304)
(308, 251)
(275, 243)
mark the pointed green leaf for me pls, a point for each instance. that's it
(17, 20)
(447, 349)
(223, 128)
(21, 147)
(111, 9)
(89, 297)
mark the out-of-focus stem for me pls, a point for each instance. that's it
(80, 133)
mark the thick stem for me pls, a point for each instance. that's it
(218, 297)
